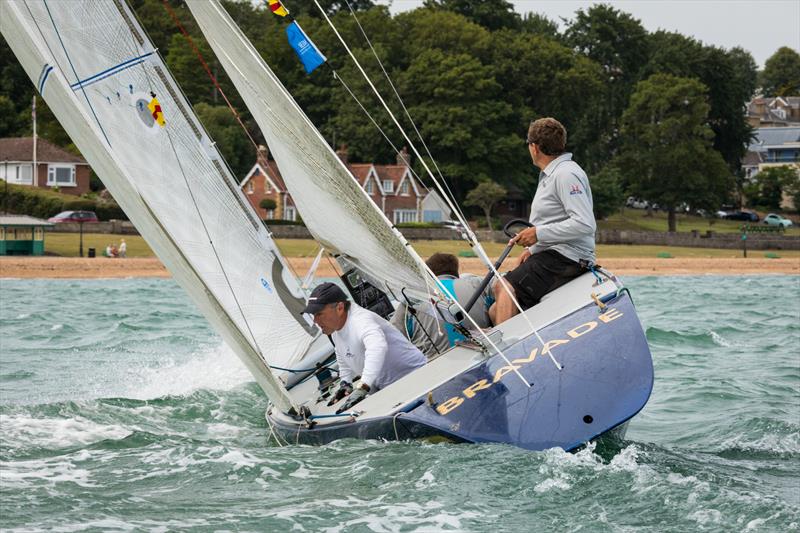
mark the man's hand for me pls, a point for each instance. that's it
(523, 256)
(355, 397)
(526, 237)
(344, 389)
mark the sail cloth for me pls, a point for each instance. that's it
(335, 209)
(119, 104)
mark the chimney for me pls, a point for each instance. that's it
(404, 158)
(342, 153)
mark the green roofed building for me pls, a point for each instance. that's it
(22, 235)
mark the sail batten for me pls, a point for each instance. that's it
(335, 209)
(167, 175)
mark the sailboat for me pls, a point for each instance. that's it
(572, 369)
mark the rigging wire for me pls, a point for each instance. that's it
(403, 105)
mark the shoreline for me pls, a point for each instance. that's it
(15, 267)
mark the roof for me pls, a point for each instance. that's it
(23, 220)
(21, 149)
(774, 137)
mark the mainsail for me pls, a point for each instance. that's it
(335, 209)
(111, 91)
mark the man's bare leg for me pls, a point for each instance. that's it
(504, 306)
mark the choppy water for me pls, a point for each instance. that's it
(120, 409)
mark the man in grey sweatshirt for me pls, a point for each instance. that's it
(560, 245)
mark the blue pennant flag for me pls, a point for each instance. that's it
(306, 50)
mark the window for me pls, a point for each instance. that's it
(388, 186)
(405, 215)
(368, 187)
(267, 186)
(290, 213)
(404, 188)
(61, 175)
(17, 173)
(270, 214)
(249, 187)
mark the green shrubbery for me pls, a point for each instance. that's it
(43, 203)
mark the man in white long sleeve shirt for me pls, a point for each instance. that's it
(560, 245)
(366, 345)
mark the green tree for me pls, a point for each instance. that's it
(485, 195)
(730, 77)
(268, 204)
(666, 154)
(231, 139)
(791, 186)
(607, 195)
(767, 187)
(781, 75)
(491, 14)
(539, 24)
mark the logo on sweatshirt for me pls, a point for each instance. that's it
(575, 189)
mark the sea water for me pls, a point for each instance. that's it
(120, 409)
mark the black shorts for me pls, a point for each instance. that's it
(543, 272)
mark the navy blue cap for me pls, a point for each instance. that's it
(322, 295)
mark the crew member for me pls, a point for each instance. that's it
(366, 345)
(560, 245)
(424, 327)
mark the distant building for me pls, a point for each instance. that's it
(771, 147)
(22, 235)
(393, 188)
(56, 167)
(771, 112)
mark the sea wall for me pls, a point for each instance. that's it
(692, 239)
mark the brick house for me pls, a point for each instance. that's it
(56, 167)
(771, 112)
(393, 188)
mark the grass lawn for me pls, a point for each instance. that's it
(66, 244)
(637, 219)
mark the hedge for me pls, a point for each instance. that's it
(44, 203)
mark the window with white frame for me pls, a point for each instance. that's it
(405, 215)
(368, 187)
(388, 186)
(249, 187)
(290, 213)
(22, 173)
(267, 186)
(404, 188)
(61, 175)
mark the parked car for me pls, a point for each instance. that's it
(776, 220)
(747, 216)
(74, 216)
(636, 203)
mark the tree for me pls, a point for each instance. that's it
(767, 188)
(267, 203)
(666, 154)
(607, 195)
(231, 139)
(491, 14)
(791, 186)
(781, 75)
(485, 195)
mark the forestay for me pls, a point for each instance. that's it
(334, 207)
(97, 69)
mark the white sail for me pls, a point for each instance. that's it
(96, 69)
(335, 209)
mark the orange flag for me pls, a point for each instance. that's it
(277, 8)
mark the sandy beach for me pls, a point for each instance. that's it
(101, 267)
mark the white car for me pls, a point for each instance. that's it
(776, 220)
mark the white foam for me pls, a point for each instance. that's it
(216, 369)
(718, 339)
(24, 474)
(24, 431)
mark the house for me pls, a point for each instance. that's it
(771, 147)
(55, 166)
(393, 188)
(771, 112)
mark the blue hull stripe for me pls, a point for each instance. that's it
(46, 70)
(110, 71)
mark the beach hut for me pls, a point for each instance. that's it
(22, 235)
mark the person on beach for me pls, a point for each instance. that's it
(123, 248)
(109, 251)
(560, 244)
(423, 326)
(366, 345)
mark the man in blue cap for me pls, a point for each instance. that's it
(366, 345)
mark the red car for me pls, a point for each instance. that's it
(74, 216)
